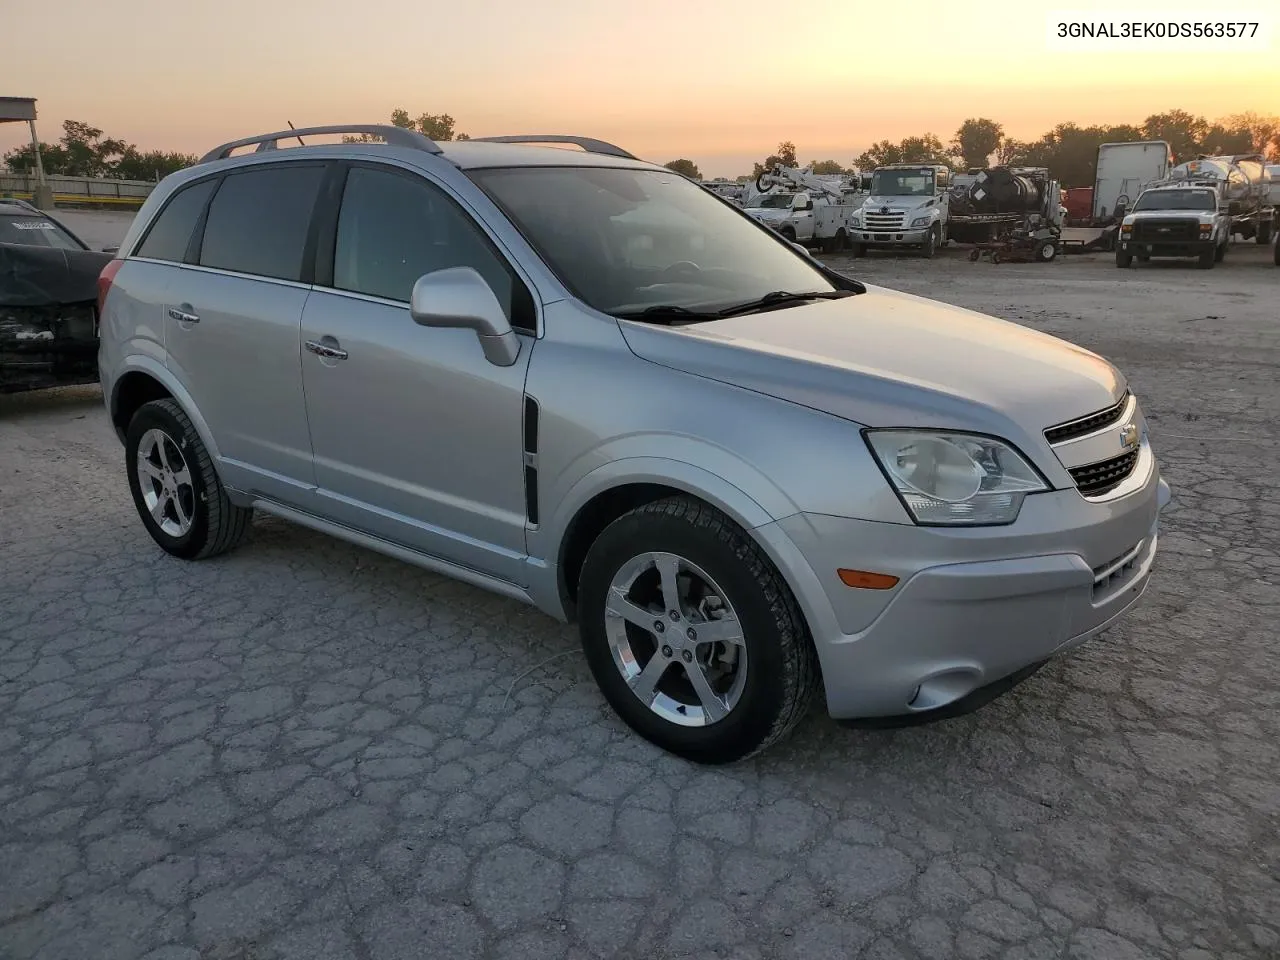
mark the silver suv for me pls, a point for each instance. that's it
(582, 381)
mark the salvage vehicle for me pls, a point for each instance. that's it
(908, 206)
(48, 301)
(804, 208)
(1176, 220)
(744, 475)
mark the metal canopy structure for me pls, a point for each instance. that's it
(18, 110)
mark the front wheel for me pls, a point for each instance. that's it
(175, 488)
(1047, 251)
(692, 635)
(929, 248)
(1220, 252)
(1263, 236)
(1123, 259)
(1208, 259)
(857, 250)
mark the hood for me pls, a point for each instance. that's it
(768, 213)
(886, 359)
(1170, 215)
(33, 276)
(873, 203)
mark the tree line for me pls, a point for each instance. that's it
(1068, 150)
(83, 151)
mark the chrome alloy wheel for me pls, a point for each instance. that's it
(165, 483)
(675, 639)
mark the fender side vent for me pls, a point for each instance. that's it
(531, 459)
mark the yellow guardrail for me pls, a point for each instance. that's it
(82, 198)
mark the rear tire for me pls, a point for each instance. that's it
(183, 504)
(1263, 236)
(773, 648)
(1047, 251)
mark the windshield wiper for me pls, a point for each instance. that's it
(671, 312)
(779, 297)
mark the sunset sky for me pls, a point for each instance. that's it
(718, 82)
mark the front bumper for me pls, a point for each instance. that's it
(883, 238)
(972, 607)
(1165, 248)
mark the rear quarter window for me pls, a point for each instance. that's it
(170, 233)
(259, 220)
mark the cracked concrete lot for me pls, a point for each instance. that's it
(304, 751)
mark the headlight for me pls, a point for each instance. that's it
(955, 478)
(920, 221)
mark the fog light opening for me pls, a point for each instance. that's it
(945, 687)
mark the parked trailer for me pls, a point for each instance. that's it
(1124, 170)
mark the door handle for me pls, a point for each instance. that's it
(321, 349)
(183, 314)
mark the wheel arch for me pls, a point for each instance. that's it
(144, 379)
(612, 490)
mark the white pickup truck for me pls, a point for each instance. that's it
(804, 218)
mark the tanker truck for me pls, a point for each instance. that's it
(1243, 185)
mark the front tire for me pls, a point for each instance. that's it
(1208, 259)
(1123, 259)
(692, 635)
(929, 248)
(175, 488)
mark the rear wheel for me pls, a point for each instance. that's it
(175, 488)
(1047, 251)
(1264, 232)
(691, 634)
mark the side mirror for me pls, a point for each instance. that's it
(803, 250)
(460, 297)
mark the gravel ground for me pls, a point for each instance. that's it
(304, 750)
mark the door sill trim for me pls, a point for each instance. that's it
(378, 545)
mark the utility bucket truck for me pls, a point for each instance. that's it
(805, 208)
(907, 207)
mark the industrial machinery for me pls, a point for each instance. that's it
(1243, 185)
(1010, 213)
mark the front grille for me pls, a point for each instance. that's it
(885, 221)
(1095, 479)
(1086, 425)
(1166, 230)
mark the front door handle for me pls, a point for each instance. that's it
(330, 351)
(183, 314)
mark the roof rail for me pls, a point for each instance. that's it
(398, 136)
(589, 144)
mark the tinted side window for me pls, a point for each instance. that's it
(258, 221)
(393, 228)
(170, 232)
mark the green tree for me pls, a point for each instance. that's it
(434, 126)
(926, 148)
(686, 168)
(1264, 133)
(827, 168)
(976, 140)
(785, 156)
(82, 151)
(151, 164)
(1184, 132)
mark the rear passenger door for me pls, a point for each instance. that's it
(417, 437)
(232, 321)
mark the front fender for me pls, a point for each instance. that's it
(742, 507)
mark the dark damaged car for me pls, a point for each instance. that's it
(48, 301)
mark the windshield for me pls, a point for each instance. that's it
(902, 183)
(35, 232)
(626, 239)
(773, 201)
(1176, 200)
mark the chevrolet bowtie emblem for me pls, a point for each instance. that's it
(1128, 436)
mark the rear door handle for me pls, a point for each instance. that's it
(329, 352)
(183, 314)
